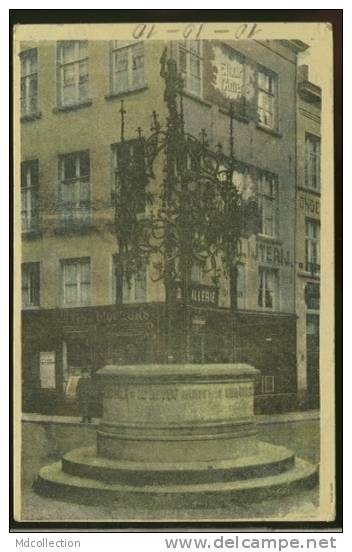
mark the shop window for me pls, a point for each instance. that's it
(312, 246)
(190, 65)
(268, 203)
(29, 82)
(268, 293)
(29, 195)
(126, 66)
(74, 189)
(30, 285)
(268, 384)
(312, 162)
(76, 282)
(267, 99)
(134, 290)
(72, 75)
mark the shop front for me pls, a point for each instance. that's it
(58, 344)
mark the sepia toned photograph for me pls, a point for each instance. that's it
(174, 347)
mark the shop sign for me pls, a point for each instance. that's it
(109, 316)
(309, 205)
(201, 294)
(271, 255)
(47, 370)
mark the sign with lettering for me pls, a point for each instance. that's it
(229, 73)
(309, 204)
(200, 294)
(47, 370)
(271, 254)
(231, 77)
(103, 315)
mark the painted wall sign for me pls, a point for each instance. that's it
(309, 205)
(229, 73)
(47, 370)
(271, 254)
(230, 77)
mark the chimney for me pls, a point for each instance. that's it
(303, 73)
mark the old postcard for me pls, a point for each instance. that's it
(173, 186)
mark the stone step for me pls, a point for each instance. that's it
(53, 482)
(269, 460)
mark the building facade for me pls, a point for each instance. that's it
(71, 128)
(308, 238)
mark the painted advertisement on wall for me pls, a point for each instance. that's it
(231, 78)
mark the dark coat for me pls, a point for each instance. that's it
(85, 389)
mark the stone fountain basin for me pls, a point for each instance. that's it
(175, 432)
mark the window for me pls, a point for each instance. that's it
(72, 72)
(312, 296)
(267, 202)
(30, 285)
(76, 282)
(312, 325)
(134, 291)
(127, 66)
(29, 82)
(190, 63)
(129, 173)
(268, 292)
(29, 195)
(267, 99)
(268, 384)
(313, 246)
(312, 162)
(198, 272)
(74, 189)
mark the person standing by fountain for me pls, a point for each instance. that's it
(85, 396)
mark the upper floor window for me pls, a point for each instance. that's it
(134, 290)
(267, 99)
(29, 82)
(312, 162)
(267, 200)
(268, 292)
(30, 284)
(29, 195)
(198, 272)
(312, 252)
(190, 64)
(129, 173)
(72, 72)
(74, 188)
(127, 66)
(75, 282)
